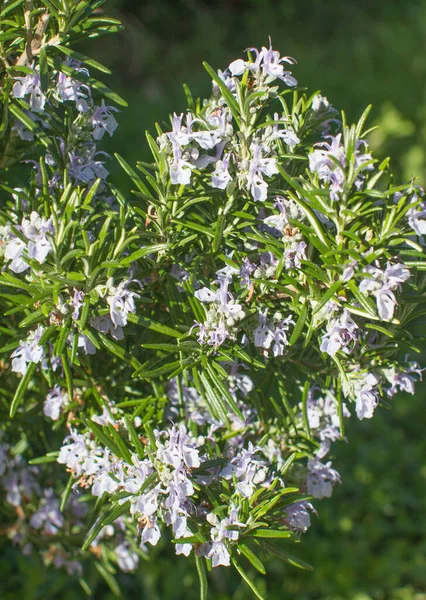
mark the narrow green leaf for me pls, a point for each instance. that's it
(153, 249)
(22, 388)
(44, 70)
(230, 100)
(327, 296)
(247, 579)
(66, 493)
(270, 533)
(255, 561)
(153, 325)
(298, 328)
(83, 59)
(201, 570)
(110, 579)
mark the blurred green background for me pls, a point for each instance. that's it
(369, 541)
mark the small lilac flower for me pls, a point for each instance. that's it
(86, 167)
(28, 351)
(258, 167)
(294, 254)
(127, 560)
(121, 302)
(298, 517)
(220, 533)
(321, 479)
(103, 120)
(72, 90)
(180, 169)
(180, 136)
(55, 401)
(48, 517)
(151, 532)
(246, 270)
(382, 284)
(403, 381)
(221, 176)
(341, 331)
(287, 135)
(86, 345)
(366, 392)
(77, 302)
(105, 325)
(30, 85)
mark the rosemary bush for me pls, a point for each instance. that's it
(178, 362)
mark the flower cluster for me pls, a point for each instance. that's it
(227, 321)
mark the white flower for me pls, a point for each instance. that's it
(55, 400)
(341, 331)
(48, 516)
(366, 394)
(221, 176)
(151, 532)
(127, 560)
(298, 517)
(382, 284)
(28, 351)
(180, 169)
(321, 479)
(121, 302)
(237, 67)
(259, 166)
(30, 85)
(103, 121)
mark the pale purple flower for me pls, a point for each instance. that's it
(341, 331)
(55, 401)
(137, 475)
(249, 470)
(28, 351)
(30, 85)
(272, 333)
(127, 560)
(151, 532)
(180, 448)
(37, 244)
(366, 393)
(403, 381)
(237, 67)
(221, 176)
(222, 298)
(77, 302)
(321, 479)
(104, 483)
(85, 167)
(103, 121)
(246, 270)
(48, 517)
(294, 254)
(72, 90)
(146, 504)
(105, 325)
(329, 161)
(382, 284)
(86, 345)
(180, 135)
(220, 534)
(121, 302)
(180, 169)
(349, 270)
(258, 167)
(298, 517)
(287, 135)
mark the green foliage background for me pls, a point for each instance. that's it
(369, 540)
